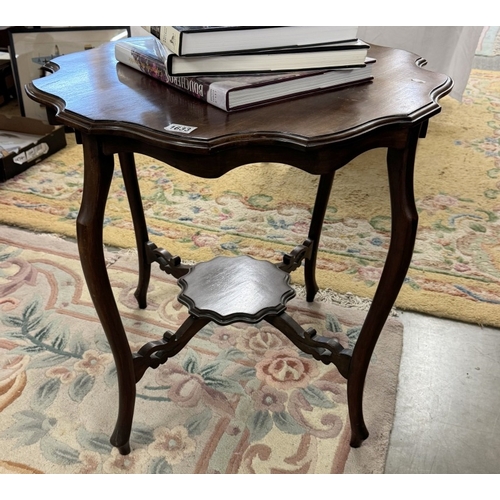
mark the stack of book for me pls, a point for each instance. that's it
(236, 67)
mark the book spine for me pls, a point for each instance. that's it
(168, 36)
(172, 39)
(190, 85)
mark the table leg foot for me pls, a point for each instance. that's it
(125, 449)
(359, 431)
(140, 293)
(358, 435)
(312, 287)
(123, 427)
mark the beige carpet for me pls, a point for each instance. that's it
(220, 406)
(264, 211)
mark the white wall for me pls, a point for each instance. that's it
(447, 49)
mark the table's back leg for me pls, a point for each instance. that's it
(400, 163)
(318, 216)
(129, 172)
(98, 173)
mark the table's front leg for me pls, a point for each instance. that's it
(400, 163)
(98, 172)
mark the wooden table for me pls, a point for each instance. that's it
(118, 110)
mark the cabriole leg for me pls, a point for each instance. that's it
(98, 173)
(400, 163)
(129, 172)
(318, 216)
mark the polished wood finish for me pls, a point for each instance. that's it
(118, 110)
(230, 289)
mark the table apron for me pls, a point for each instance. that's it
(218, 161)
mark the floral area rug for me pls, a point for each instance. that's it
(264, 210)
(237, 399)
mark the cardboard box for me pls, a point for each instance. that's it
(48, 139)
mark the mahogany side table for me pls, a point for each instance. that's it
(118, 110)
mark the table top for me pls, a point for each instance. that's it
(95, 94)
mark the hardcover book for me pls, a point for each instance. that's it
(334, 55)
(145, 54)
(204, 40)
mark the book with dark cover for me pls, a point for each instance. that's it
(204, 40)
(334, 55)
(145, 54)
